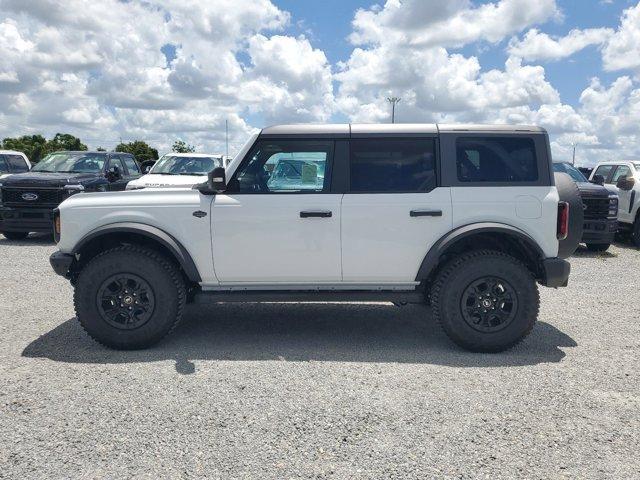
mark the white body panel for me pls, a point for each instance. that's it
(168, 210)
(534, 210)
(13, 152)
(262, 239)
(152, 180)
(382, 243)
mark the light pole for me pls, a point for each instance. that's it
(226, 136)
(393, 101)
(573, 158)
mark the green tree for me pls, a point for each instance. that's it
(141, 150)
(181, 147)
(65, 141)
(33, 146)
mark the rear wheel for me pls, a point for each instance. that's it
(635, 236)
(485, 301)
(598, 247)
(15, 235)
(129, 297)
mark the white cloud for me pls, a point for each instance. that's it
(623, 49)
(537, 45)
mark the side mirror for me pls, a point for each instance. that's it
(114, 174)
(598, 180)
(626, 183)
(146, 166)
(216, 182)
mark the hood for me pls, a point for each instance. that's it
(154, 180)
(592, 189)
(42, 179)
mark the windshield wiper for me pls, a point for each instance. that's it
(191, 174)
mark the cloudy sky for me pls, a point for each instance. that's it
(160, 70)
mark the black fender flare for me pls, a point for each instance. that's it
(180, 253)
(432, 258)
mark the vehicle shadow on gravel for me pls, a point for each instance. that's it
(32, 240)
(300, 333)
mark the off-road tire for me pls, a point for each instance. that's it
(598, 247)
(635, 235)
(156, 270)
(14, 236)
(458, 274)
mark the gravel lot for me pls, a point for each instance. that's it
(321, 390)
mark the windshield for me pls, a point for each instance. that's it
(570, 170)
(174, 165)
(72, 163)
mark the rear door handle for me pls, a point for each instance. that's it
(316, 214)
(425, 213)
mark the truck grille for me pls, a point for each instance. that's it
(595, 208)
(32, 197)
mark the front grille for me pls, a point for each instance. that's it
(31, 197)
(595, 208)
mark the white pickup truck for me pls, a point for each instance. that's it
(466, 218)
(178, 170)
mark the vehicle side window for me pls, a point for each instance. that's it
(604, 170)
(132, 166)
(392, 165)
(621, 172)
(4, 166)
(285, 166)
(17, 164)
(117, 162)
(496, 159)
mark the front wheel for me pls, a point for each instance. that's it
(129, 297)
(485, 301)
(15, 235)
(598, 247)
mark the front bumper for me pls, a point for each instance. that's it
(26, 219)
(555, 272)
(599, 231)
(61, 263)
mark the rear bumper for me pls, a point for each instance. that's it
(599, 231)
(555, 272)
(26, 219)
(61, 263)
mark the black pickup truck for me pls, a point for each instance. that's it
(27, 200)
(600, 209)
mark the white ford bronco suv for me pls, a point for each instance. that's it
(623, 179)
(466, 218)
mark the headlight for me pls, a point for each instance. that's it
(613, 206)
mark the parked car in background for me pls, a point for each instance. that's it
(468, 218)
(178, 170)
(600, 209)
(27, 200)
(623, 179)
(12, 162)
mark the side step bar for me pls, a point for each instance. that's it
(262, 296)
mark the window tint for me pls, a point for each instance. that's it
(17, 163)
(496, 159)
(393, 165)
(285, 166)
(131, 164)
(4, 167)
(604, 170)
(622, 172)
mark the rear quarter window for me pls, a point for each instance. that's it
(17, 164)
(496, 160)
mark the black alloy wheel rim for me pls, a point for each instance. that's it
(489, 304)
(126, 301)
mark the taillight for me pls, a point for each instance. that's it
(57, 228)
(563, 220)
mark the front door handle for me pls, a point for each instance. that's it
(425, 213)
(316, 214)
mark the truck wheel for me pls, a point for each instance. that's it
(15, 235)
(635, 236)
(598, 247)
(485, 301)
(129, 297)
